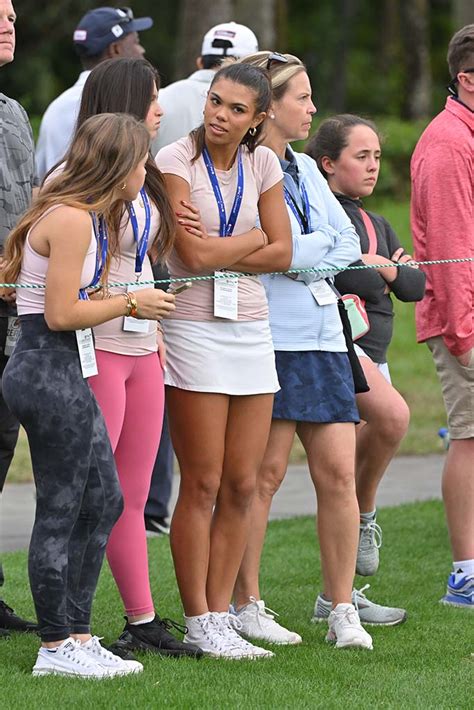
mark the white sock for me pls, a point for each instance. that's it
(146, 620)
(368, 517)
(464, 568)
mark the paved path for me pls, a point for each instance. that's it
(409, 478)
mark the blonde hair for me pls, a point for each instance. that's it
(105, 149)
(280, 73)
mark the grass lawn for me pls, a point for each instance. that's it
(425, 663)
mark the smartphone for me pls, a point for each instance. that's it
(174, 290)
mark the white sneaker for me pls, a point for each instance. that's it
(206, 632)
(345, 629)
(258, 622)
(113, 664)
(230, 626)
(68, 659)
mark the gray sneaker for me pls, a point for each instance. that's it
(369, 612)
(370, 541)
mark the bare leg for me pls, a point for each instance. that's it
(269, 479)
(197, 424)
(248, 428)
(458, 496)
(387, 416)
(330, 449)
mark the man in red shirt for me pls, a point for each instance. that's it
(442, 221)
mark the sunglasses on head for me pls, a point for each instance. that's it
(275, 57)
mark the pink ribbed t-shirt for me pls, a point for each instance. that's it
(261, 172)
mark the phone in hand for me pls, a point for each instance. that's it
(179, 288)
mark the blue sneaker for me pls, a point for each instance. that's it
(460, 591)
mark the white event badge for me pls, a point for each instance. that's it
(85, 345)
(13, 333)
(136, 325)
(322, 293)
(226, 290)
(226, 296)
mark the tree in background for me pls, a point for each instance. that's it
(375, 58)
(463, 13)
(195, 18)
(416, 58)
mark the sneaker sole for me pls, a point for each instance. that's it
(243, 657)
(335, 644)
(458, 605)
(367, 572)
(50, 671)
(274, 643)
(397, 622)
(157, 530)
(114, 674)
(141, 647)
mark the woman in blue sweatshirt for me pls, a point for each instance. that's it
(316, 400)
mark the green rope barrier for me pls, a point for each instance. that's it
(233, 274)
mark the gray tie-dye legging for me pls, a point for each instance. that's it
(78, 493)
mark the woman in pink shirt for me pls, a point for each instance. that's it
(221, 368)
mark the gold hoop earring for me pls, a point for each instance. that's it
(253, 131)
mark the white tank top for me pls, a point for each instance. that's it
(34, 267)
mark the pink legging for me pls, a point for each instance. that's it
(130, 392)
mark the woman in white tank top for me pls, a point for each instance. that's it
(62, 245)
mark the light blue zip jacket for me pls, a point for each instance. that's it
(297, 322)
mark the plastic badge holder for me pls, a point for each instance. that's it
(357, 315)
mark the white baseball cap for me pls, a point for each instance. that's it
(229, 40)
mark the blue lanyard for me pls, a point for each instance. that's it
(304, 218)
(102, 239)
(142, 242)
(226, 227)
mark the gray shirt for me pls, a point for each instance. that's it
(16, 168)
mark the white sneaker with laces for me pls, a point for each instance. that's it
(108, 660)
(68, 659)
(231, 627)
(206, 632)
(345, 629)
(258, 622)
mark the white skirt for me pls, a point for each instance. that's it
(234, 358)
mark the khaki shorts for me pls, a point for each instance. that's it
(457, 384)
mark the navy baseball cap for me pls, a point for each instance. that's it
(104, 25)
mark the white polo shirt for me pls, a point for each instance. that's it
(183, 105)
(57, 127)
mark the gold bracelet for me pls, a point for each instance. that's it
(133, 304)
(127, 304)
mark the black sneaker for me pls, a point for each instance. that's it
(154, 637)
(12, 622)
(156, 526)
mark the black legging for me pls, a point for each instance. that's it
(78, 493)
